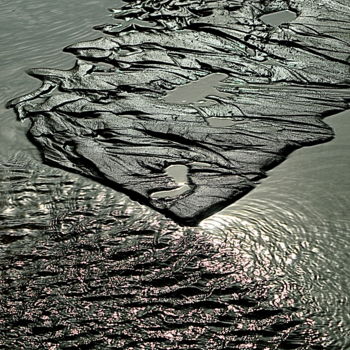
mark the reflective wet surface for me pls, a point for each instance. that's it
(297, 226)
(280, 17)
(33, 34)
(83, 266)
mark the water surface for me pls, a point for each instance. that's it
(33, 34)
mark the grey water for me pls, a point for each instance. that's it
(196, 91)
(277, 18)
(33, 34)
(291, 233)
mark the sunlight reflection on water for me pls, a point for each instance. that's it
(297, 225)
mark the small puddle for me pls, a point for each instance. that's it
(171, 193)
(196, 91)
(179, 173)
(275, 19)
(220, 122)
(201, 164)
(123, 24)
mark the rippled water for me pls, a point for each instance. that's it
(33, 34)
(297, 226)
(284, 246)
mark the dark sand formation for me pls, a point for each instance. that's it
(108, 117)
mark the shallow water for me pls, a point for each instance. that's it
(33, 34)
(277, 18)
(285, 243)
(297, 226)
